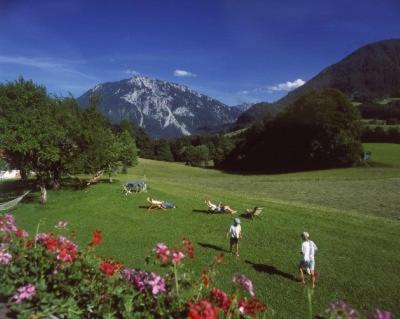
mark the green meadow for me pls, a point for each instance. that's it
(351, 214)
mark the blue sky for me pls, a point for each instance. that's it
(236, 51)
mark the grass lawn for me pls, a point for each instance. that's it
(352, 215)
(386, 154)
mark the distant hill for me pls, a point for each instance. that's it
(163, 109)
(256, 112)
(368, 74)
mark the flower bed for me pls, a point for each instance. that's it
(50, 276)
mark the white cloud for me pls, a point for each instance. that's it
(131, 72)
(287, 86)
(183, 73)
(48, 64)
(35, 62)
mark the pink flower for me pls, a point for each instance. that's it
(162, 252)
(145, 281)
(245, 283)
(381, 314)
(4, 257)
(177, 256)
(41, 237)
(23, 292)
(342, 310)
(7, 226)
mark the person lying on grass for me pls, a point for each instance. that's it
(166, 204)
(307, 261)
(219, 208)
(159, 204)
(213, 207)
(227, 209)
(234, 234)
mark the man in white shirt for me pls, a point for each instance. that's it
(234, 234)
(307, 261)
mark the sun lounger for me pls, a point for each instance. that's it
(155, 204)
(134, 187)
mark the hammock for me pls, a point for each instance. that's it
(9, 205)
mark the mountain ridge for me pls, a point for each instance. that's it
(369, 73)
(163, 109)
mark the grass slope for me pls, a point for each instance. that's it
(350, 213)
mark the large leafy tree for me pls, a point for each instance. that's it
(321, 129)
(30, 135)
(53, 136)
(102, 149)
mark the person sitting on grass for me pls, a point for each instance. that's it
(234, 234)
(307, 261)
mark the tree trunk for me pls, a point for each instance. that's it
(42, 185)
(110, 177)
(43, 194)
(24, 174)
(56, 184)
(56, 181)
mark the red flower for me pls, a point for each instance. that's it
(51, 243)
(221, 299)
(251, 306)
(109, 268)
(202, 310)
(97, 237)
(67, 251)
(21, 233)
(188, 246)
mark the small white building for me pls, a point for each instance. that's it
(13, 174)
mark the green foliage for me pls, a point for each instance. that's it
(373, 110)
(162, 151)
(196, 155)
(30, 134)
(4, 166)
(321, 129)
(380, 135)
(127, 149)
(53, 136)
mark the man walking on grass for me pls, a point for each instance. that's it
(307, 261)
(234, 234)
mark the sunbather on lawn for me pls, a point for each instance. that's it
(166, 204)
(213, 207)
(227, 209)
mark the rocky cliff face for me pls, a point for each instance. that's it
(163, 109)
